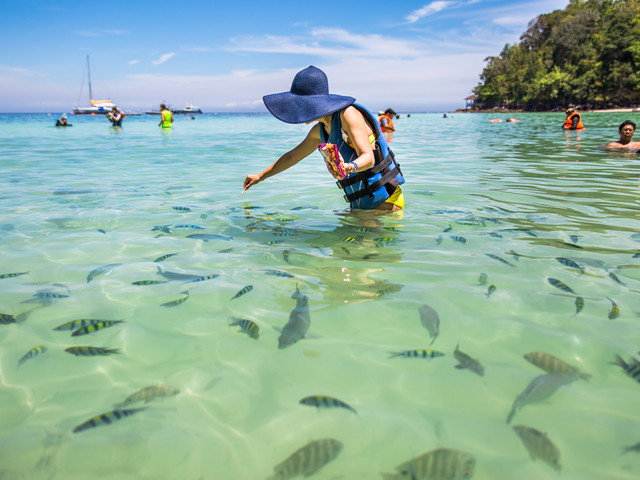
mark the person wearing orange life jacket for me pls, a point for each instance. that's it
(386, 122)
(573, 121)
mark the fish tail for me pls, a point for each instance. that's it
(620, 362)
(395, 354)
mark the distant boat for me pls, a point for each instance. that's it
(95, 106)
(188, 109)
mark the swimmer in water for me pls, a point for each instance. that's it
(626, 130)
(370, 176)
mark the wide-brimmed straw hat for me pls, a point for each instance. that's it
(309, 98)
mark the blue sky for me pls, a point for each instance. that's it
(224, 56)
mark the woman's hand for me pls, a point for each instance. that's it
(250, 181)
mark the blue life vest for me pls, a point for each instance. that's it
(369, 188)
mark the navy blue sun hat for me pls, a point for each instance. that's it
(309, 98)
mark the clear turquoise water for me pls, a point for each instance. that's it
(79, 198)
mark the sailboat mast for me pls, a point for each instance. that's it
(89, 75)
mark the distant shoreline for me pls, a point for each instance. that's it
(583, 110)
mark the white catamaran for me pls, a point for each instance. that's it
(96, 106)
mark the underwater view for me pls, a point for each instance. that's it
(157, 324)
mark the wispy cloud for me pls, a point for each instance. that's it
(99, 33)
(430, 9)
(133, 62)
(163, 58)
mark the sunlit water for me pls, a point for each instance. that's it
(76, 199)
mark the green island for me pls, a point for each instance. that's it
(586, 55)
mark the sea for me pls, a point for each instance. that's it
(515, 238)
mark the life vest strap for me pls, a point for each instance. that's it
(362, 176)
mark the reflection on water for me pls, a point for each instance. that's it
(519, 241)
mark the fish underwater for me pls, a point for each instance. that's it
(579, 305)
(244, 291)
(551, 364)
(324, 401)
(164, 257)
(106, 419)
(570, 263)
(539, 446)
(103, 270)
(246, 326)
(540, 388)
(490, 290)
(562, 286)
(94, 327)
(439, 464)
(615, 310)
(299, 321)
(91, 351)
(208, 236)
(148, 394)
(278, 273)
(177, 276)
(500, 259)
(35, 351)
(467, 362)
(148, 282)
(11, 275)
(307, 460)
(631, 448)
(483, 278)
(417, 354)
(76, 324)
(430, 320)
(632, 368)
(6, 319)
(175, 303)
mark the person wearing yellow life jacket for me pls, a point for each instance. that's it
(386, 120)
(166, 117)
(573, 121)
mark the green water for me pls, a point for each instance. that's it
(76, 199)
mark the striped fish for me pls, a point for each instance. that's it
(181, 209)
(570, 263)
(76, 324)
(615, 310)
(175, 303)
(162, 258)
(552, 364)
(307, 460)
(579, 304)
(47, 294)
(632, 368)
(615, 278)
(205, 277)
(500, 259)
(459, 239)
(35, 351)
(6, 319)
(205, 237)
(226, 250)
(11, 275)
(417, 354)
(324, 401)
(278, 273)
(272, 242)
(106, 419)
(247, 326)
(243, 291)
(148, 394)
(94, 327)
(190, 227)
(440, 464)
(490, 290)
(149, 282)
(385, 241)
(177, 276)
(562, 286)
(354, 240)
(91, 351)
(539, 446)
(483, 278)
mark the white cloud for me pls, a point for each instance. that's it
(163, 58)
(133, 62)
(430, 9)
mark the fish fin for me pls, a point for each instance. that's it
(460, 366)
(433, 339)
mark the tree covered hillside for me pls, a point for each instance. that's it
(587, 54)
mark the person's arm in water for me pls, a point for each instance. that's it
(288, 160)
(354, 125)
